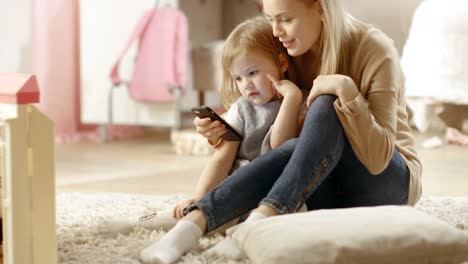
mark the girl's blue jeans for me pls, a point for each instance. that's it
(319, 168)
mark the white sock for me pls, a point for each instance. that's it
(227, 247)
(160, 220)
(178, 241)
(303, 208)
(254, 216)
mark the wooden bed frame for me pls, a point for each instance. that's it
(27, 172)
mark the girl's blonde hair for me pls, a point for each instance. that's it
(253, 34)
(336, 31)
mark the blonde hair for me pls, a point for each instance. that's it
(252, 34)
(336, 31)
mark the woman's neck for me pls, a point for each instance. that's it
(307, 67)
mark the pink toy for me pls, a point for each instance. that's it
(162, 56)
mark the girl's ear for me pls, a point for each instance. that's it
(283, 60)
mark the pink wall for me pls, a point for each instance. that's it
(56, 64)
(56, 61)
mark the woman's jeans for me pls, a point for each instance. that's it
(319, 168)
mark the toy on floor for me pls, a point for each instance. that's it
(27, 172)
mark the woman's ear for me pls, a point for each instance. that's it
(318, 4)
(283, 60)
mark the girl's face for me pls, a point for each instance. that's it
(297, 25)
(249, 71)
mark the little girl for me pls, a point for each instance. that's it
(264, 110)
(253, 61)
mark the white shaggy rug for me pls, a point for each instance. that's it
(78, 216)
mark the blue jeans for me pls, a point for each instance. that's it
(319, 168)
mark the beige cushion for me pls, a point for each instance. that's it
(386, 234)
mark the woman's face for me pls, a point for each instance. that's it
(249, 71)
(296, 24)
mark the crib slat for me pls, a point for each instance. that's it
(27, 172)
(16, 192)
(43, 186)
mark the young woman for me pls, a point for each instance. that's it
(355, 148)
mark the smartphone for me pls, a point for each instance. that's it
(205, 111)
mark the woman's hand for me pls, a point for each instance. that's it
(178, 209)
(336, 84)
(285, 88)
(209, 129)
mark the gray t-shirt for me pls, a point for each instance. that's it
(253, 122)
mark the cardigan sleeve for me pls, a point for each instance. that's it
(370, 119)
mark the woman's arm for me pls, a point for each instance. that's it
(370, 122)
(286, 124)
(368, 113)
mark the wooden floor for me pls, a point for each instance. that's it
(150, 166)
(146, 165)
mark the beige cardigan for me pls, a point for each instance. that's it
(376, 121)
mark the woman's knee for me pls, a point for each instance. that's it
(322, 115)
(322, 107)
(324, 101)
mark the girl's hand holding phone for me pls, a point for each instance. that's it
(211, 130)
(218, 128)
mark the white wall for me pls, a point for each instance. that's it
(105, 28)
(16, 36)
(16, 27)
(392, 17)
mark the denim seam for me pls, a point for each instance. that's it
(313, 181)
(282, 209)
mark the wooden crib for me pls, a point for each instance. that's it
(27, 172)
